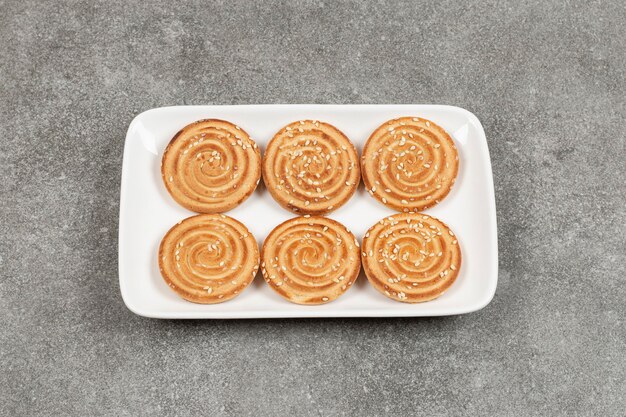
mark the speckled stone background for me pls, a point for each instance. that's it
(546, 79)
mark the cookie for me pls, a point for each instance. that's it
(310, 167)
(208, 258)
(409, 164)
(411, 257)
(310, 260)
(211, 166)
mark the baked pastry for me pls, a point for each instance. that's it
(310, 260)
(409, 164)
(411, 257)
(211, 166)
(208, 258)
(310, 167)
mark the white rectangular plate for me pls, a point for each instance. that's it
(147, 212)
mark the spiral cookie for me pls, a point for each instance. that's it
(310, 260)
(208, 258)
(411, 257)
(211, 166)
(310, 167)
(409, 164)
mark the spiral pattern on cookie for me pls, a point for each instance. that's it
(311, 167)
(208, 258)
(411, 257)
(211, 166)
(310, 260)
(409, 164)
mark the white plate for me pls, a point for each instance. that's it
(147, 211)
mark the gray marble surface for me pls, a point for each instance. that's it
(547, 80)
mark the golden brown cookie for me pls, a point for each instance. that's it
(211, 166)
(409, 164)
(310, 260)
(208, 258)
(310, 167)
(411, 257)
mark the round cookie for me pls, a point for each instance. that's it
(409, 164)
(411, 257)
(311, 167)
(310, 260)
(208, 258)
(211, 166)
